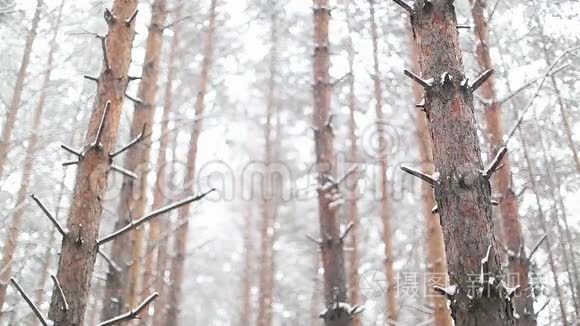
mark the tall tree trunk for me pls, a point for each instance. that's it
(352, 188)
(436, 259)
(246, 315)
(14, 227)
(178, 262)
(513, 239)
(545, 229)
(17, 94)
(79, 250)
(329, 198)
(462, 191)
(385, 208)
(161, 184)
(269, 211)
(122, 287)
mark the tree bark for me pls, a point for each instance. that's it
(122, 287)
(269, 211)
(385, 210)
(329, 198)
(246, 316)
(161, 182)
(436, 259)
(513, 239)
(79, 249)
(462, 192)
(14, 228)
(352, 188)
(178, 262)
(18, 88)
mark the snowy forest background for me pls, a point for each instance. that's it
(526, 39)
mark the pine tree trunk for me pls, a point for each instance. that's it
(122, 287)
(331, 242)
(509, 206)
(161, 182)
(352, 188)
(16, 221)
(436, 259)
(17, 95)
(462, 192)
(385, 208)
(546, 230)
(246, 316)
(178, 262)
(266, 281)
(79, 250)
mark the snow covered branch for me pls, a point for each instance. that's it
(133, 224)
(481, 79)
(97, 142)
(419, 80)
(124, 172)
(538, 244)
(132, 18)
(494, 165)
(131, 314)
(132, 143)
(60, 292)
(52, 219)
(29, 302)
(448, 292)
(105, 54)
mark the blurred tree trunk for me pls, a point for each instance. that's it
(316, 294)
(436, 259)
(269, 209)
(10, 121)
(246, 316)
(122, 287)
(352, 188)
(161, 186)
(16, 221)
(545, 229)
(385, 208)
(78, 252)
(329, 198)
(178, 262)
(462, 192)
(513, 239)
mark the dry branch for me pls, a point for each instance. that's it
(29, 302)
(52, 219)
(131, 314)
(404, 5)
(419, 80)
(97, 141)
(494, 165)
(133, 142)
(481, 79)
(430, 179)
(124, 172)
(542, 239)
(60, 292)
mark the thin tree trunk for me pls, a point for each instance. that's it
(352, 188)
(436, 259)
(161, 184)
(266, 281)
(462, 192)
(329, 198)
(14, 228)
(17, 94)
(509, 206)
(545, 230)
(78, 252)
(246, 316)
(178, 262)
(316, 294)
(385, 208)
(122, 287)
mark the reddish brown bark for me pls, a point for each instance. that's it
(509, 206)
(462, 192)
(331, 241)
(123, 286)
(79, 250)
(385, 207)
(435, 247)
(269, 210)
(17, 95)
(353, 189)
(16, 221)
(178, 262)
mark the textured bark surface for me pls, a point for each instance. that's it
(331, 242)
(269, 209)
(462, 193)
(385, 207)
(122, 288)
(78, 252)
(161, 183)
(178, 262)
(509, 207)
(435, 248)
(17, 94)
(354, 292)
